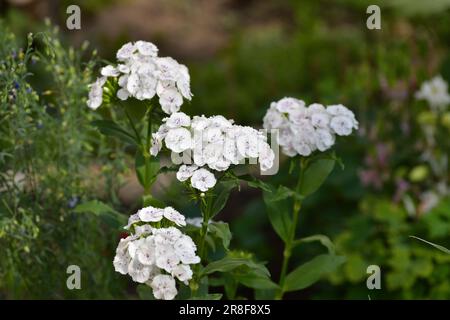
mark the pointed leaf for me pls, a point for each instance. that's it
(315, 175)
(311, 271)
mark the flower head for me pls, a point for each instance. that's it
(303, 130)
(435, 92)
(157, 256)
(214, 144)
(141, 74)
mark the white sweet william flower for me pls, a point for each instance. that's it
(178, 119)
(139, 272)
(185, 172)
(150, 214)
(146, 252)
(156, 144)
(96, 93)
(164, 287)
(174, 216)
(134, 218)
(303, 130)
(167, 261)
(320, 118)
(170, 101)
(185, 249)
(289, 105)
(213, 143)
(178, 140)
(141, 74)
(203, 180)
(146, 48)
(435, 92)
(155, 256)
(109, 71)
(126, 51)
(182, 272)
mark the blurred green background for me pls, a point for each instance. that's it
(242, 54)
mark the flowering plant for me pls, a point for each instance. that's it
(205, 151)
(304, 132)
(157, 252)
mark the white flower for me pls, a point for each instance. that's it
(324, 139)
(146, 252)
(174, 216)
(185, 172)
(289, 105)
(203, 180)
(303, 130)
(170, 101)
(178, 140)
(167, 261)
(126, 51)
(185, 249)
(213, 143)
(435, 92)
(167, 235)
(164, 287)
(178, 119)
(266, 156)
(274, 119)
(96, 93)
(156, 144)
(109, 71)
(138, 272)
(341, 125)
(182, 272)
(152, 254)
(146, 48)
(132, 220)
(142, 74)
(150, 214)
(123, 94)
(320, 118)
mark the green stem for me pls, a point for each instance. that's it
(146, 150)
(130, 120)
(291, 239)
(204, 229)
(205, 209)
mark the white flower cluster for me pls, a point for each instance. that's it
(435, 92)
(142, 74)
(214, 143)
(156, 256)
(303, 130)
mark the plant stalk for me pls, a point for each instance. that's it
(291, 238)
(146, 151)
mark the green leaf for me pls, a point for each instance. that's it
(149, 200)
(102, 210)
(146, 171)
(311, 271)
(278, 210)
(324, 240)
(437, 246)
(255, 183)
(145, 292)
(221, 200)
(211, 296)
(228, 264)
(110, 128)
(315, 175)
(256, 280)
(220, 230)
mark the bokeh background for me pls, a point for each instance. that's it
(242, 54)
